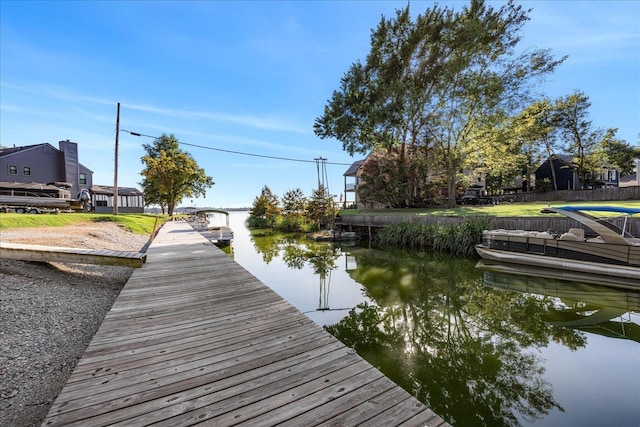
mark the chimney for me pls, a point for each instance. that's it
(71, 165)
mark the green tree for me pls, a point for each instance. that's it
(321, 207)
(497, 153)
(393, 179)
(537, 128)
(294, 202)
(266, 206)
(535, 134)
(380, 180)
(433, 82)
(171, 174)
(584, 143)
(620, 154)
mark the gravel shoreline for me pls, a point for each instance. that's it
(50, 311)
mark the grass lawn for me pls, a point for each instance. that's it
(136, 223)
(505, 209)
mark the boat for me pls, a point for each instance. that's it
(597, 247)
(333, 236)
(214, 225)
(584, 302)
(35, 197)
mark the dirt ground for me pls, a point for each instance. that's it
(50, 311)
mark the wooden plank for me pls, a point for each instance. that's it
(269, 411)
(193, 356)
(37, 253)
(371, 407)
(193, 338)
(90, 402)
(396, 414)
(230, 395)
(181, 371)
(426, 418)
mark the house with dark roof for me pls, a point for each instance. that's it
(567, 176)
(45, 164)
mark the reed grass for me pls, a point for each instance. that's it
(458, 239)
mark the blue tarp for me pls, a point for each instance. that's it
(619, 209)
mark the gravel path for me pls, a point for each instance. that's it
(49, 312)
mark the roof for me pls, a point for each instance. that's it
(564, 158)
(13, 150)
(353, 168)
(6, 152)
(123, 191)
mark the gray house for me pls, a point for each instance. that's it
(45, 164)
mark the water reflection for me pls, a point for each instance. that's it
(472, 344)
(297, 253)
(451, 341)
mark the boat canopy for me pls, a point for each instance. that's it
(212, 211)
(608, 231)
(616, 209)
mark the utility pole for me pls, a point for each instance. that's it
(115, 167)
(323, 185)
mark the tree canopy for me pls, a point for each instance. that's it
(581, 140)
(621, 154)
(434, 82)
(266, 205)
(171, 174)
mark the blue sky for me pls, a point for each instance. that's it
(251, 76)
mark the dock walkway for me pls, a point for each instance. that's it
(194, 338)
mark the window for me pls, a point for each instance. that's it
(26, 170)
(83, 178)
(101, 203)
(13, 170)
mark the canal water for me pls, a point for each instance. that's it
(479, 347)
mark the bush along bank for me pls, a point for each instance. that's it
(283, 223)
(458, 239)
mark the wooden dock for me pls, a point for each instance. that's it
(194, 339)
(26, 252)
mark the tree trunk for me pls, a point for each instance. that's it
(553, 176)
(451, 184)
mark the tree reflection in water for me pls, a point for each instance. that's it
(466, 350)
(458, 346)
(296, 253)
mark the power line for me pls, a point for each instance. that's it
(238, 152)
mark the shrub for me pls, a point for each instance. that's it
(458, 239)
